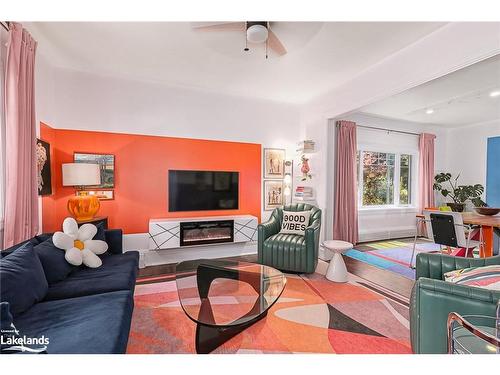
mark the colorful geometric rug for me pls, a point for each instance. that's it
(313, 315)
(393, 255)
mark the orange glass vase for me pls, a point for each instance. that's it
(83, 206)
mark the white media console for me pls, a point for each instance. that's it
(175, 233)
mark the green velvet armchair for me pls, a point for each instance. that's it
(290, 252)
(432, 299)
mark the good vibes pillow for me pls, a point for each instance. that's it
(295, 222)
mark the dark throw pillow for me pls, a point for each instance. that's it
(55, 266)
(100, 235)
(22, 279)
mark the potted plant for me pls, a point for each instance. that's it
(460, 194)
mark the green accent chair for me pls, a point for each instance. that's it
(432, 299)
(290, 252)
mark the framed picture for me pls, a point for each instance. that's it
(43, 167)
(102, 195)
(106, 163)
(274, 163)
(273, 194)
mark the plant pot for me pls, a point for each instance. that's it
(456, 207)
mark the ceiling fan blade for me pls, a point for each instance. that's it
(275, 44)
(222, 26)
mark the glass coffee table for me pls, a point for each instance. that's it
(225, 297)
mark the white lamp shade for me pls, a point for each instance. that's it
(81, 174)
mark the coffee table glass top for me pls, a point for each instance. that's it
(224, 293)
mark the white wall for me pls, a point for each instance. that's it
(74, 100)
(467, 146)
(90, 102)
(449, 48)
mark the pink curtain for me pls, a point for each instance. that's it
(21, 196)
(426, 171)
(345, 210)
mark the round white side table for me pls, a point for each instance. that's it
(337, 270)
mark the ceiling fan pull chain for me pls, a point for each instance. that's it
(246, 49)
(267, 40)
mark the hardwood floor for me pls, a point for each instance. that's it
(384, 278)
(169, 269)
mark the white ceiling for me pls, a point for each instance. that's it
(320, 56)
(457, 99)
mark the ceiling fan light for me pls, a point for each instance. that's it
(257, 34)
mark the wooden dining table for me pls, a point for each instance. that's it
(488, 224)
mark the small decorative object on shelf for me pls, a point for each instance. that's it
(306, 146)
(304, 193)
(305, 168)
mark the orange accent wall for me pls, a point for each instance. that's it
(141, 170)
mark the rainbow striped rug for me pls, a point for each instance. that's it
(393, 256)
(313, 315)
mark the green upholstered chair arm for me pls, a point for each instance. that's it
(433, 266)
(431, 302)
(312, 236)
(268, 228)
(264, 231)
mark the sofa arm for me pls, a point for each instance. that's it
(431, 302)
(433, 266)
(114, 239)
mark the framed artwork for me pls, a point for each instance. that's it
(273, 194)
(102, 195)
(274, 163)
(43, 167)
(106, 163)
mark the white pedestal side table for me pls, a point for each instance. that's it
(337, 270)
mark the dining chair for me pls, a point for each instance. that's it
(448, 229)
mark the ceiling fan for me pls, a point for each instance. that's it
(257, 32)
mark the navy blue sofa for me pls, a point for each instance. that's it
(90, 310)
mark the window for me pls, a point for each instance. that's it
(384, 179)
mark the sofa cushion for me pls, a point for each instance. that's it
(55, 266)
(487, 277)
(89, 324)
(22, 279)
(118, 272)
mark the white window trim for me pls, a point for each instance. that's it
(397, 170)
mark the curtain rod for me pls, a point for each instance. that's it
(5, 25)
(387, 130)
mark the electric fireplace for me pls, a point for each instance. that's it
(206, 232)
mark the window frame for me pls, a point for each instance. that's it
(397, 177)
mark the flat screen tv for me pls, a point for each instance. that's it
(202, 190)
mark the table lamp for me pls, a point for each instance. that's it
(82, 206)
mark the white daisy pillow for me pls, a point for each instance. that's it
(79, 245)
